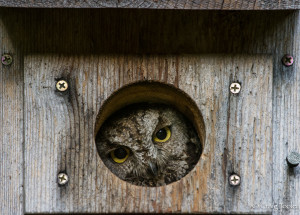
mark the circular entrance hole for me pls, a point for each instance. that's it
(150, 133)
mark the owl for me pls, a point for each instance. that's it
(148, 144)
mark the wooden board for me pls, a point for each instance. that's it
(160, 4)
(11, 128)
(85, 31)
(286, 120)
(59, 133)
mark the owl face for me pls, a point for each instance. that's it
(148, 145)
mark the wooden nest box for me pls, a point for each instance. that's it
(231, 67)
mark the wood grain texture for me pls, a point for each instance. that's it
(286, 120)
(155, 4)
(173, 32)
(60, 133)
(11, 128)
(145, 31)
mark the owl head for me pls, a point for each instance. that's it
(148, 144)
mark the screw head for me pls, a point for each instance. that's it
(62, 178)
(6, 59)
(235, 88)
(234, 180)
(293, 159)
(287, 60)
(62, 85)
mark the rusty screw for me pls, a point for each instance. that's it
(234, 180)
(235, 88)
(62, 178)
(6, 59)
(293, 159)
(62, 85)
(287, 60)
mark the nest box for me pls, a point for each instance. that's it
(65, 71)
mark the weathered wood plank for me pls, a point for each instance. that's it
(164, 4)
(11, 127)
(143, 31)
(286, 120)
(59, 133)
(154, 31)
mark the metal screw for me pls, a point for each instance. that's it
(234, 180)
(293, 159)
(287, 60)
(62, 178)
(235, 88)
(62, 85)
(6, 59)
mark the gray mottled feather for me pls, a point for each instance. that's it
(133, 127)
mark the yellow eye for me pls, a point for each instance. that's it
(162, 135)
(120, 155)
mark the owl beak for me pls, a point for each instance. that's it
(152, 169)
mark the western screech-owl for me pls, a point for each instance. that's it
(148, 144)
